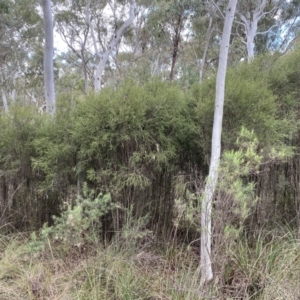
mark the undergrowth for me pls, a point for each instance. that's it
(128, 267)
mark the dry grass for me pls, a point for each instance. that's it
(113, 273)
(122, 271)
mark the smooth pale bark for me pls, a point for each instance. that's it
(32, 98)
(88, 19)
(5, 104)
(250, 21)
(206, 205)
(48, 57)
(116, 38)
(154, 65)
(112, 45)
(13, 91)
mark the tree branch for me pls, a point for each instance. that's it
(218, 8)
(267, 31)
(88, 19)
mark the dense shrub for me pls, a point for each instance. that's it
(249, 103)
(131, 143)
(137, 143)
(18, 199)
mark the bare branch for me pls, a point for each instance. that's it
(267, 31)
(242, 17)
(113, 43)
(260, 8)
(290, 29)
(88, 19)
(218, 8)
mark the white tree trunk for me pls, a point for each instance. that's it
(250, 44)
(116, 38)
(13, 91)
(206, 205)
(88, 19)
(4, 99)
(48, 57)
(250, 21)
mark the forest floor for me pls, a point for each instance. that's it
(117, 271)
(126, 270)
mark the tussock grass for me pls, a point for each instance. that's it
(117, 271)
(283, 280)
(269, 269)
(122, 270)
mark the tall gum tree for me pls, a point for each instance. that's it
(112, 45)
(209, 32)
(48, 57)
(210, 187)
(250, 12)
(20, 33)
(169, 24)
(71, 25)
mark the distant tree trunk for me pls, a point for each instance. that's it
(207, 40)
(86, 80)
(250, 21)
(13, 91)
(112, 45)
(176, 40)
(4, 99)
(210, 187)
(85, 72)
(48, 57)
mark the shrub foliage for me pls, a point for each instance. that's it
(139, 143)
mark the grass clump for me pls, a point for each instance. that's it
(136, 265)
(265, 269)
(119, 269)
(130, 266)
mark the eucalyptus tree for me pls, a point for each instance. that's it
(208, 23)
(71, 23)
(114, 40)
(209, 32)
(250, 13)
(20, 33)
(267, 25)
(48, 57)
(70, 79)
(93, 31)
(169, 23)
(210, 187)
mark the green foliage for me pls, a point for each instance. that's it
(135, 141)
(4, 6)
(243, 95)
(131, 140)
(265, 270)
(236, 195)
(284, 82)
(146, 148)
(249, 103)
(236, 192)
(77, 225)
(19, 129)
(55, 154)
